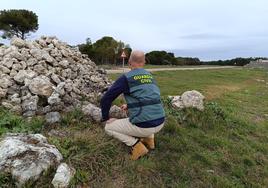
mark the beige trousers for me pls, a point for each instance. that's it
(128, 133)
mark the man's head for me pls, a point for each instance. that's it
(136, 59)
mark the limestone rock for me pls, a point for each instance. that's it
(47, 57)
(17, 42)
(16, 67)
(3, 92)
(7, 105)
(4, 69)
(40, 69)
(94, 78)
(55, 78)
(31, 62)
(13, 73)
(29, 105)
(16, 109)
(16, 55)
(44, 110)
(41, 86)
(7, 62)
(54, 99)
(63, 176)
(53, 117)
(193, 99)
(177, 102)
(5, 81)
(10, 49)
(64, 63)
(26, 157)
(12, 107)
(15, 98)
(117, 112)
(60, 88)
(36, 53)
(23, 74)
(93, 112)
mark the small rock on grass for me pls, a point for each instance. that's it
(27, 156)
(189, 99)
(53, 117)
(63, 176)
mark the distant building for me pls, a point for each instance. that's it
(262, 61)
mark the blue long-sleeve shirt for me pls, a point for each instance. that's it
(121, 86)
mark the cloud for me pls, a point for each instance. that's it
(207, 29)
(205, 36)
(223, 52)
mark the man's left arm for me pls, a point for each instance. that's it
(120, 86)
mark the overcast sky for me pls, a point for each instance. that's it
(208, 29)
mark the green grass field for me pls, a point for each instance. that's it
(226, 145)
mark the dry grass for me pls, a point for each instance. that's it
(216, 91)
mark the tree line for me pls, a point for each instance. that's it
(233, 62)
(168, 58)
(21, 23)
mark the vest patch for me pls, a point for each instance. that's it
(140, 80)
(143, 78)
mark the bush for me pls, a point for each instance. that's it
(161, 58)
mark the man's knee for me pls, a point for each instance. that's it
(107, 128)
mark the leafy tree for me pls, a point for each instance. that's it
(87, 48)
(160, 58)
(168, 58)
(127, 50)
(18, 23)
(105, 50)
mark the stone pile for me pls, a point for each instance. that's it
(47, 75)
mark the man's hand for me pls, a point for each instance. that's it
(124, 107)
(111, 120)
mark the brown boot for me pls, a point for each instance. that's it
(148, 142)
(138, 150)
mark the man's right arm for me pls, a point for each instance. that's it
(120, 86)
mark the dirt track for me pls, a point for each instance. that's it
(121, 70)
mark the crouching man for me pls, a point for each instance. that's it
(145, 110)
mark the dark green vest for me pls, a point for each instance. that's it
(144, 103)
